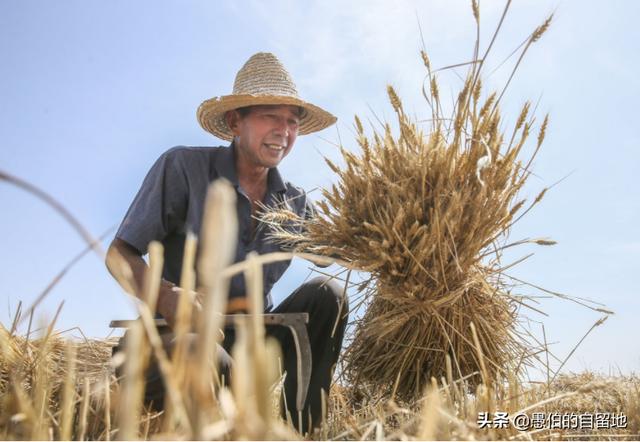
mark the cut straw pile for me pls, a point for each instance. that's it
(427, 213)
(44, 380)
(57, 388)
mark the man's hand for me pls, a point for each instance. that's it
(168, 300)
(169, 293)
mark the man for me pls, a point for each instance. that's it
(262, 118)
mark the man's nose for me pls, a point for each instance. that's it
(282, 127)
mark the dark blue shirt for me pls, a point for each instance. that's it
(171, 201)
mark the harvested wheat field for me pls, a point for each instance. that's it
(65, 389)
(439, 349)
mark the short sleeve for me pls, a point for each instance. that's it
(159, 208)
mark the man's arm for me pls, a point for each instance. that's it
(158, 208)
(167, 304)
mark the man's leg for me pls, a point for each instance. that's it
(328, 313)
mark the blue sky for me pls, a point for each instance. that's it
(92, 92)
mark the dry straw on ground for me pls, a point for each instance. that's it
(426, 213)
(84, 401)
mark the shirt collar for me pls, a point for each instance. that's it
(226, 167)
(274, 181)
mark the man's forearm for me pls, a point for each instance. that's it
(167, 298)
(120, 250)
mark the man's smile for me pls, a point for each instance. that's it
(275, 147)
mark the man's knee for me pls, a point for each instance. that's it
(327, 295)
(327, 289)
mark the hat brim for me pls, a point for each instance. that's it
(211, 113)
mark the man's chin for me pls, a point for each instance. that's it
(271, 162)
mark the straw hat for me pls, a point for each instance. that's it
(262, 80)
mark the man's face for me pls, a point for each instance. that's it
(266, 134)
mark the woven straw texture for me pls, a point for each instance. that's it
(262, 80)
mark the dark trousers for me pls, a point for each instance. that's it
(322, 299)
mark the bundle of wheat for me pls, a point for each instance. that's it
(427, 213)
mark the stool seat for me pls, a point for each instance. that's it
(296, 322)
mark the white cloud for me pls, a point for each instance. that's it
(344, 53)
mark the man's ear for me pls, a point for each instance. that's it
(232, 118)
